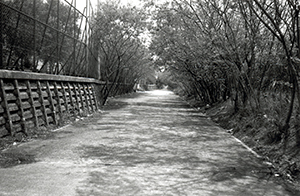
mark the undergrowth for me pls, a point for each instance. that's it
(259, 128)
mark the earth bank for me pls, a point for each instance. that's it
(259, 131)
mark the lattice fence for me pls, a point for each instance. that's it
(31, 100)
(47, 36)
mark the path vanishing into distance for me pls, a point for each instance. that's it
(151, 143)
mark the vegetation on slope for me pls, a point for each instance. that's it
(242, 56)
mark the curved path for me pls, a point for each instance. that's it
(153, 144)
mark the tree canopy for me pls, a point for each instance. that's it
(124, 56)
(240, 50)
(42, 36)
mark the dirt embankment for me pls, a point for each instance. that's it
(259, 131)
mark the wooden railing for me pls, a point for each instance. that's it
(32, 100)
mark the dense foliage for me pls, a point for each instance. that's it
(244, 51)
(124, 57)
(43, 36)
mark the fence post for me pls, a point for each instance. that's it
(94, 96)
(53, 109)
(66, 104)
(90, 96)
(34, 34)
(31, 102)
(80, 96)
(42, 101)
(76, 97)
(20, 105)
(57, 39)
(1, 36)
(71, 96)
(86, 97)
(56, 91)
(9, 125)
(74, 35)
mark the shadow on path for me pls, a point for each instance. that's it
(157, 145)
(151, 143)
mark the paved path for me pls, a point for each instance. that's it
(150, 145)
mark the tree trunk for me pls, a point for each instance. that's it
(298, 138)
(285, 128)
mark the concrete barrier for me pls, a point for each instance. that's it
(32, 100)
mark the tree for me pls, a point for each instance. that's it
(237, 49)
(181, 45)
(123, 56)
(41, 36)
(281, 19)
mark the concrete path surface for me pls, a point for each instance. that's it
(152, 144)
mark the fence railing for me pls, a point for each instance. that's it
(32, 100)
(53, 37)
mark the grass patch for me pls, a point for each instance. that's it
(12, 159)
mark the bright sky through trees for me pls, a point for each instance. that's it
(80, 4)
